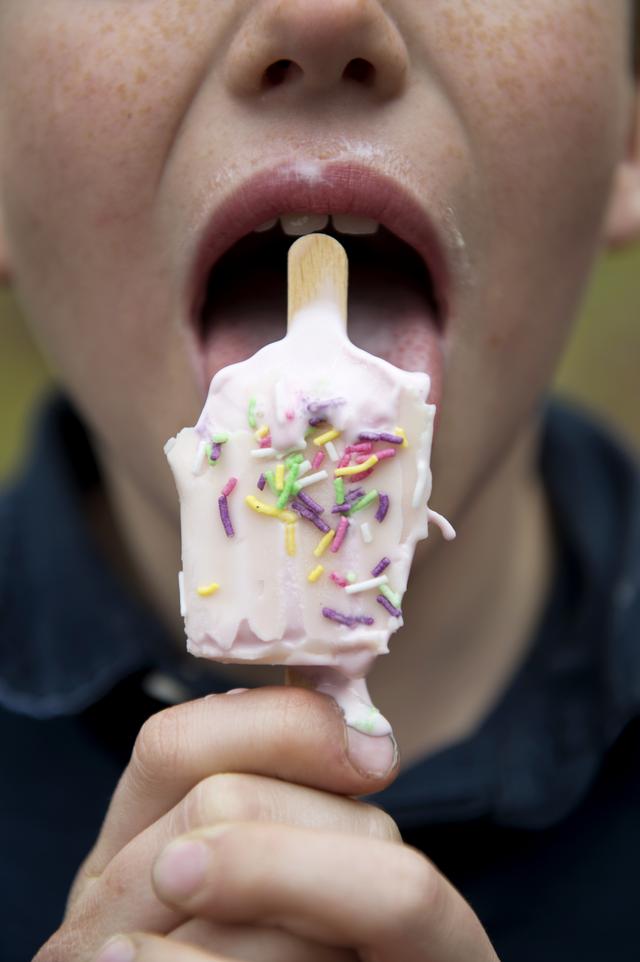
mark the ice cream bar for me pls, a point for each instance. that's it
(303, 491)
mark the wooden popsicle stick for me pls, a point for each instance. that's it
(318, 270)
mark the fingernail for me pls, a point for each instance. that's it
(236, 691)
(372, 755)
(181, 869)
(118, 949)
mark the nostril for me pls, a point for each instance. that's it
(280, 72)
(360, 70)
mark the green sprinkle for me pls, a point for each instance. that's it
(271, 481)
(293, 459)
(220, 438)
(392, 596)
(369, 722)
(339, 488)
(351, 577)
(289, 482)
(251, 414)
(364, 501)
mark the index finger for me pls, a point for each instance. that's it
(288, 733)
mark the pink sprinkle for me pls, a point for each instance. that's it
(339, 580)
(386, 453)
(229, 486)
(361, 458)
(361, 476)
(341, 533)
(344, 461)
(364, 447)
(266, 442)
(290, 415)
(318, 459)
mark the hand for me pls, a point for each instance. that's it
(272, 755)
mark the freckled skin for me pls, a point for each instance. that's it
(119, 122)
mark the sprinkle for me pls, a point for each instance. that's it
(330, 435)
(391, 438)
(338, 484)
(262, 432)
(213, 452)
(224, 515)
(339, 580)
(311, 479)
(310, 503)
(183, 603)
(271, 481)
(344, 460)
(315, 574)
(266, 442)
(365, 531)
(206, 590)
(251, 414)
(368, 436)
(383, 506)
(362, 476)
(331, 450)
(365, 448)
(341, 533)
(341, 508)
(229, 486)
(317, 460)
(261, 482)
(400, 431)
(289, 484)
(303, 467)
(357, 468)
(348, 620)
(263, 453)
(380, 567)
(351, 577)
(280, 477)
(311, 516)
(290, 538)
(389, 606)
(364, 501)
(293, 459)
(386, 453)
(353, 495)
(270, 510)
(391, 595)
(221, 438)
(315, 421)
(367, 585)
(324, 543)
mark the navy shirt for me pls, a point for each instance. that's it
(535, 817)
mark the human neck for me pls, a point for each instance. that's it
(458, 650)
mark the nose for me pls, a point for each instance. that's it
(317, 46)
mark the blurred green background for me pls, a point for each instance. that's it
(601, 367)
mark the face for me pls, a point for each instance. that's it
(124, 126)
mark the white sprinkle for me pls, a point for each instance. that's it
(303, 468)
(365, 531)
(448, 531)
(183, 603)
(312, 478)
(366, 585)
(330, 448)
(263, 453)
(198, 460)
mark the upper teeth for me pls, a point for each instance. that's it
(295, 225)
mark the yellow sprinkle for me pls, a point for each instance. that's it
(357, 468)
(269, 509)
(327, 436)
(315, 574)
(400, 431)
(324, 543)
(205, 590)
(280, 477)
(290, 538)
(262, 432)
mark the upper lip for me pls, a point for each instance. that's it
(336, 187)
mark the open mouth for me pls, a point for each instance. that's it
(396, 306)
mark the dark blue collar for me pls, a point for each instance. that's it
(70, 631)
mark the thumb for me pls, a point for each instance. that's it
(375, 755)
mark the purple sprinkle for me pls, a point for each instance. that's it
(379, 568)
(317, 407)
(387, 604)
(341, 508)
(304, 512)
(310, 503)
(348, 620)
(368, 436)
(315, 421)
(390, 438)
(261, 482)
(224, 516)
(216, 450)
(383, 506)
(354, 495)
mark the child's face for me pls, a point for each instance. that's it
(125, 123)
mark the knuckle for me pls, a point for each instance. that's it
(382, 826)
(417, 890)
(224, 797)
(157, 749)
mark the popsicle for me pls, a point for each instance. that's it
(303, 490)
